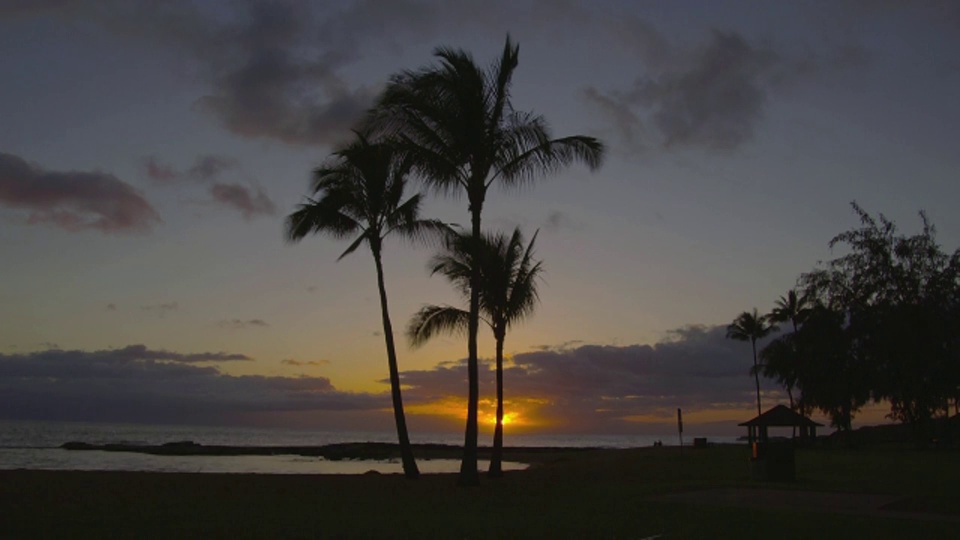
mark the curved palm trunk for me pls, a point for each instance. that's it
(496, 458)
(410, 469)
(468, 465)
(756, 374)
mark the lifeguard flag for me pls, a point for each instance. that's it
(679, 421)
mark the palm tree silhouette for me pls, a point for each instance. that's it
(780, 361)
(751, 327)
(782, 356)
(360, 191)
(792, 307)
(508, 294)
(456, 121)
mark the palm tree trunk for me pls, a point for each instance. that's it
(796, 356)
(756, 374)
(410, 469)
(468, 465)
(496, 458)
(790, 395)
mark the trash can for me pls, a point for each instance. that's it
(781, 465)
(773, 461)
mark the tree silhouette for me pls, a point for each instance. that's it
(779, 361)
(751, 327)
(508, 294)
(781, 357)
(360, 191)
(899, 297)
(833, 377)
(455, 120)
(793, 308)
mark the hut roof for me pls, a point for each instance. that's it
(780, 416)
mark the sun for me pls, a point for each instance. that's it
(508, 418)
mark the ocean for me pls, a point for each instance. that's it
(36, 445)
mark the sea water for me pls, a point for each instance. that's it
(36, 445)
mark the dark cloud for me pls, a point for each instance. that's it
(716, 102)
(557, 220)
(161, 309)
(111, 307)
(274, 68)
(292, 362)
(565, 346)
(240, 324)
(73, 200)
(602, 387)
(714, 98)
(159, 173)
(251, 201)
(276, 74)
(143, 385)
(206, 167)
(242, 198)
(48, 361)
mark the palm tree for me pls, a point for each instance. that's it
(508, 294)
(456, 121)
(791, 308)
(751, 327)
(782, 355)
(779, 361)
(360, 191)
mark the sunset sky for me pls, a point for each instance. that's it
(149, 152)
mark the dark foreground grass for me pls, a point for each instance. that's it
(599, 494)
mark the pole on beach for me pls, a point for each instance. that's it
(680, 429)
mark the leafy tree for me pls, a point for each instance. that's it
(508, 294)
(899, 294)
(751, 327)
(831, 376)
(455, 120)
(360, 191)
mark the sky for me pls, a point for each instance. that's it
(150, 151)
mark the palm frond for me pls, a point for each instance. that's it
(319, 217)
(750, 327)
(433, 320)
(523, 163)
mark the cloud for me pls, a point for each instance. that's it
(144, 385)
(292, 362)
(242, 198)
(161, 309)
(280, 83)
(52, 359)
(239, 324)
(111, 307)
(605, 388)
(274, 69)
(714, 97)
(557, 220)
(571, 388)
(206, 167)
(250, 201)
(73, 201)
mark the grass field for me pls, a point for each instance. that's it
(596, 494)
